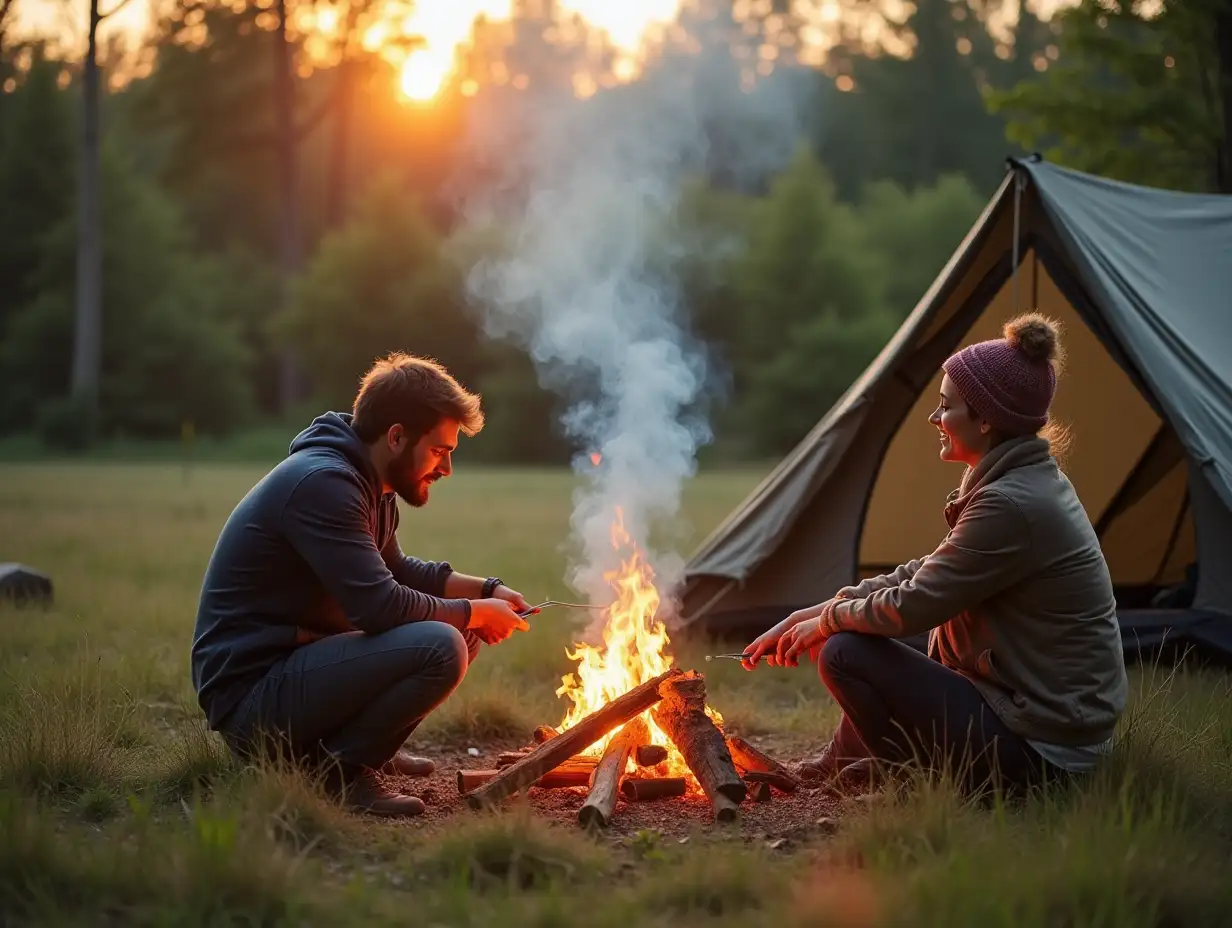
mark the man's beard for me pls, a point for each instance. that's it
(411, 489)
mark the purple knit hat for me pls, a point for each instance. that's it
(1009, 382)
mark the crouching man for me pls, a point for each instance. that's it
(315, 634)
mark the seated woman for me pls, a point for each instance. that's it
(1025, 675)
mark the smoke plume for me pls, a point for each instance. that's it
(587, 284)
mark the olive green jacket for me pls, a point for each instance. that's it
(1017, 598)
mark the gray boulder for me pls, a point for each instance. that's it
(24, 585)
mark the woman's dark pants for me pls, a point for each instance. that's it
(901, 706)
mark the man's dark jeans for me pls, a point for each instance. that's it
(901, 706)
(353, 698)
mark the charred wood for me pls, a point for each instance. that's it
(551, 753)
(605, 781)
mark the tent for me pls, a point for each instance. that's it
(1141, 281)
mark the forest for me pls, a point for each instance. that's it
(217, 225)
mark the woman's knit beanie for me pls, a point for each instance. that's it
(1009, 382)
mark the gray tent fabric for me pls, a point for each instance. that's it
(1145, 274)
(1160, 264)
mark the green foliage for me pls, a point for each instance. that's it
(169, 353)
(376, 285)
(793, 282)
(1137, 93)
(37, 178)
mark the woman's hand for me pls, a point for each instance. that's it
(767, 643)
(807, 636)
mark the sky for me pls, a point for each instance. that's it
(445, 24)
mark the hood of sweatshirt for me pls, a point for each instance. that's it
(332, 432)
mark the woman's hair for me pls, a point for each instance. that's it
(1038, 338)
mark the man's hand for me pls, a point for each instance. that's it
(515, 599)
(767, 642)
(807, 636)
(494, 620)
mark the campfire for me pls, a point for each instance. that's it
(637, 726)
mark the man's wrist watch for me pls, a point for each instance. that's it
(489, 587)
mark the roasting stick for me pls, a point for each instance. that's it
(553, 602)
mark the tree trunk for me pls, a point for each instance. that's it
(288, 174)
(87, 342)
(1223, 58)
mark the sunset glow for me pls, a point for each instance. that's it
(445, 26)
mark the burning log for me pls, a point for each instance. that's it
(682, 716)
(561, 778)
(605, 782)
(544, 733)
(650, 755)
(548, 755)
(509, 758)
(759, 767)
(760, 791)
(645, 789)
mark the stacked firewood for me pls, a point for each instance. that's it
(728, 769)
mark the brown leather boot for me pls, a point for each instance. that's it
(406, 764)
(821, 768)
(364, 792)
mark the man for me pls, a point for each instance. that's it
(313, 627)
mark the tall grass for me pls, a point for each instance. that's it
(117, 805)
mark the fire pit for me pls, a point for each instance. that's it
(638, 727)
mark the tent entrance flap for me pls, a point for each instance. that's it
(1109, 421)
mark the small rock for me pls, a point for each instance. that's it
(684, 840)
(827, 825)
(777, 843)
(473, 752)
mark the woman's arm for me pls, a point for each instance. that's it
(869, 585)
(985, 553)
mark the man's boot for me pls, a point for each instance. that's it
(406, 764)
(361, 790)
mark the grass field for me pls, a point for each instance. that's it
(116, 806)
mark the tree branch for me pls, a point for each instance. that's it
(119, 6)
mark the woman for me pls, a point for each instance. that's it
(1025, 675)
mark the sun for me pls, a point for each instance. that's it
(423, 74)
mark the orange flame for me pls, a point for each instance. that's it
(635, 648)
(596, 458)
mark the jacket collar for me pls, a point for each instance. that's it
(1007, 456)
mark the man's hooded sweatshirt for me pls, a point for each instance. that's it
(311, 551)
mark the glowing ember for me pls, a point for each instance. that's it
(635, 648)
(596, 458)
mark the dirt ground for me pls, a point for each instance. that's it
(781, 820)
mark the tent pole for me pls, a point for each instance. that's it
(1020, 182)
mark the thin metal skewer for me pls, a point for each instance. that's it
(733, 657)
(554, 602)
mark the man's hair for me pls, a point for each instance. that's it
(414, 392)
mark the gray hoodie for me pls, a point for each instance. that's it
(1017, 598)
(311, 550)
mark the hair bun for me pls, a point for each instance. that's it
(1033, 335)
